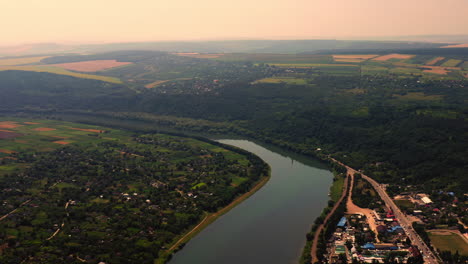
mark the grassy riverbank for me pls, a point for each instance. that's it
(209, 218)
(336, 191)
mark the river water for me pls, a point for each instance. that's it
(270, 226)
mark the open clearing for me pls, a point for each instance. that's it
(449, 241)
(21, 61)
(91, 66)
(393, 56)
(43, 135)
(434, 61)
(57, 70)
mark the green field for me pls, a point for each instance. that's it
(337, 188)
(404, 204)
(451, 63)
(449, 242)
(419, 96)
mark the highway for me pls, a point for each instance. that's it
(406, 224)
(416, 240)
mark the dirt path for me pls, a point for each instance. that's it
(63, 223)
(352, 208)
(12, 212)
(211, 218)
(313, 251)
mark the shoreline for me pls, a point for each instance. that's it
(210, 218)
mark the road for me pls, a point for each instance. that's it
(416, 240)
(313, 249)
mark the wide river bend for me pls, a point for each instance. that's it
(270, 226)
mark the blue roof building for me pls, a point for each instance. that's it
(394, 228)
(368, 246)
(342, 222)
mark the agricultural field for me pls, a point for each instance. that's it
(353, 58)
(447, 241)
(60, 71)
(288, 80)
(435, 60)
(91, 66)
(155, 83)
(419, 96)
(311, 65)
(21, 61)
(451, 63)
(67, 187)
(393, 57)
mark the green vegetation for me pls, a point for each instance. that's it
(449, 242)
(451, 63)
(60, 71)
(337, 187)
(134, 194)
(390, 119)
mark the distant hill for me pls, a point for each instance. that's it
(229, 46)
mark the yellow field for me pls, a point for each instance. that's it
(288, 80)
(156, 83)
(353, 58)
(56, 70)
(20, 61)
(394, 56)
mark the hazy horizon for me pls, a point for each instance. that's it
(106, 21)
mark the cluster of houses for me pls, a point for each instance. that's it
(354, 239)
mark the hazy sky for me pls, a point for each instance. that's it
(26, 21)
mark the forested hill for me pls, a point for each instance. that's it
(392, 119)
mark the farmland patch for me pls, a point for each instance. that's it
(91, 66)
(434, 61)
(393, 56)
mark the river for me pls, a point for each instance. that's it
(270, 226)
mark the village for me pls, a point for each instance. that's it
(373, 233)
